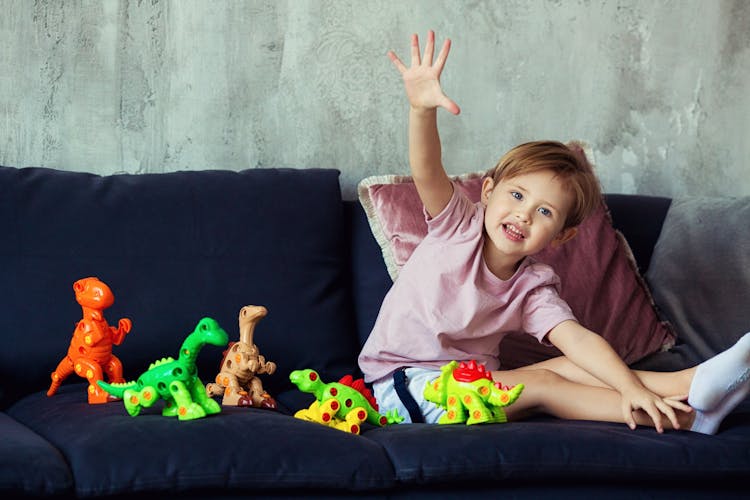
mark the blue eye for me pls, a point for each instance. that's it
(516, 195)
(545, 211)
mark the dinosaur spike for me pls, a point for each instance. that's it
(471, 371)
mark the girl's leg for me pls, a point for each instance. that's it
(547, 392)
(665, 384)
(715, 387)
(708, 384)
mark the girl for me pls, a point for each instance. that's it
(472, 281)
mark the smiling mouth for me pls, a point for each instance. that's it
(513, 233)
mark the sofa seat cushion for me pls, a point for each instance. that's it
(174, 247)
(29, 465)
(545, 449)
(248, 449)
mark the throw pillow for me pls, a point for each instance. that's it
(700, 272)
(600, 280)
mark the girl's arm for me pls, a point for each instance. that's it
(422, 85)
(594, 354)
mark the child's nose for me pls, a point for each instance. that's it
(522, 214)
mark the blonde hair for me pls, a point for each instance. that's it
(567, 161)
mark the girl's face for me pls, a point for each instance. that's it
(523, 215)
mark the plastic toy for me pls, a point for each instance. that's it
(90, 351)
(238, 376)
(468, 394)
(343, 405)
(174, 381)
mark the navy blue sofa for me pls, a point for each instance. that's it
(176, 247)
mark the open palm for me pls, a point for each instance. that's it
(422, 78)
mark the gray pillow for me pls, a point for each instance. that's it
(700, 273)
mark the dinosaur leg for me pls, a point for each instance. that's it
(261, 399)
(62, 371)
(329, 415)
(498, 415)
(479, 411)
(92, 371)
(186, 408)
(321, 413)
(170, 407)
(328, 411)
(136, 400)
(132, 402)
(353, 420)
(455, 412)
(199, 395)
(234, 394)
(113, 369)
(311, 414)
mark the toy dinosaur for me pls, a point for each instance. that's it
(343, 405)
(242, 363)
(468, 394)
(325, 413)
(90, 351)
(174, 380)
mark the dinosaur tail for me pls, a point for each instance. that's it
(117, 390)
(506, 396)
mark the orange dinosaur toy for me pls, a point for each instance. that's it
(90, 352)
(238, 376)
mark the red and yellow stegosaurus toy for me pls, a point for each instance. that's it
(90, 352)
(468, 394)
(343, 405)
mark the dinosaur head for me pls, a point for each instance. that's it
(208, 331)
(252, 313)
(92, 293)
(306, 380)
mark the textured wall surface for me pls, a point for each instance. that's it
(659, 89)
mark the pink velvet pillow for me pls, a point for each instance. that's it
(600, 280)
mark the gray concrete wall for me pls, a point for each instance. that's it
(659, 89)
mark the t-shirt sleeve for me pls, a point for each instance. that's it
(455, 219)
(543, 310)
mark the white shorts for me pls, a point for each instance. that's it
(416, 379)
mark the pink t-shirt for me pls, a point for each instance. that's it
(446, 304)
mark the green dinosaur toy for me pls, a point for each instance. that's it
(343, 404)
(174, 381)
(468, 394)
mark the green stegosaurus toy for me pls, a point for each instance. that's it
(468, 394)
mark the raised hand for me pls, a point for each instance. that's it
(422, 78)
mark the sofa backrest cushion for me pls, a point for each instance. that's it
(174, 247)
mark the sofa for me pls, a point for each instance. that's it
(178, 247)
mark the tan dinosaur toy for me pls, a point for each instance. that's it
(238, 376)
